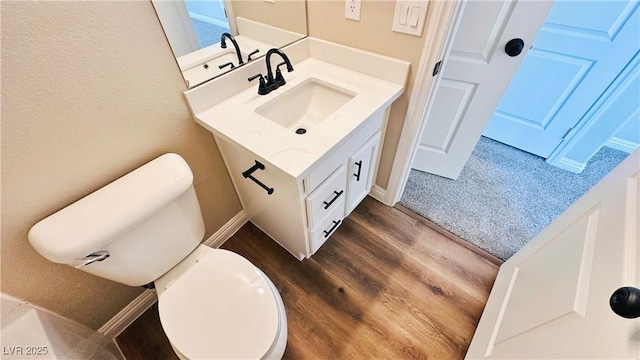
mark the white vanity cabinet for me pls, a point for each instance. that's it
(297, 186)
(302, 213)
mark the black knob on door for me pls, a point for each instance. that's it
(626, 302)
(514, 47)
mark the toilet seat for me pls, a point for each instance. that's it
(222, 307)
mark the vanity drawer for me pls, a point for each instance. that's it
(327, 197)
(327, 226)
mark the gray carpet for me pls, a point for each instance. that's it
(207, 34)
(504, 196)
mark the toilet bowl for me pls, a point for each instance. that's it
(218, 305)
(146, 227)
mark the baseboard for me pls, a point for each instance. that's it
(378, 193)
(128, 315)
(569, 165)
(622, 145)
(227, 230)
(139, 305)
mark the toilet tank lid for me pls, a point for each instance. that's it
(92, 222)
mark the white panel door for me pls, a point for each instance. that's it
(475, 75)
(551, 299)
(579, 51)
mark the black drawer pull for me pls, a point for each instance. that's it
(335, 225)
(327, 204)
(357, 175)
(247, 175)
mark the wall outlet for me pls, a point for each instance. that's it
(352, 9)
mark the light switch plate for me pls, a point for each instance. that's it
(406, 11)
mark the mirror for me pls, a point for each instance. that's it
(194, 29)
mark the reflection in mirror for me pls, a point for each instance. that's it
(195, 30)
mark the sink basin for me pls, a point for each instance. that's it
(307, 104)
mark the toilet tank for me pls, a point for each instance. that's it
(148, 221)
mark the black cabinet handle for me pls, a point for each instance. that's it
(327, 204)
(247, 175)
(335, 225)
(357, 175)
(626, 302)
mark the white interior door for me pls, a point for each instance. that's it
(551, 299)
(580, 50)
(475, 75)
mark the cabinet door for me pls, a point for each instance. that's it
(361, 172)
(279, 214)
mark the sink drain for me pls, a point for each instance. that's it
(301, 131)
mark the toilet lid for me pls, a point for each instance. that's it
(222, 308)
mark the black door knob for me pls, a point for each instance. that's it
(626, 302)
(514, 47)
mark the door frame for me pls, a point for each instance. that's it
(440, 32)
(176, 15)
(437, 44)
(231, 17)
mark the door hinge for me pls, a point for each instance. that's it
(566, 133)
(436, 69)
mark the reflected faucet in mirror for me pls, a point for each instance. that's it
(193, 28)
(223, 44)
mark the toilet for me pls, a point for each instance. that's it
(145, 229)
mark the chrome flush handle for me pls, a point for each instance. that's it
(91, 258)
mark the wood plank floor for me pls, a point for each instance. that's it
(385, 286)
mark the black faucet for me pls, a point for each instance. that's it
(270, 79)
(271, 83)
(223, 44)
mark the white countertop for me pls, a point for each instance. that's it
(235, 119)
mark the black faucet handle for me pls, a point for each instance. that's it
(262, 87)
(251, 78)
(252, 53)
(279, 78)
(225, 65)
